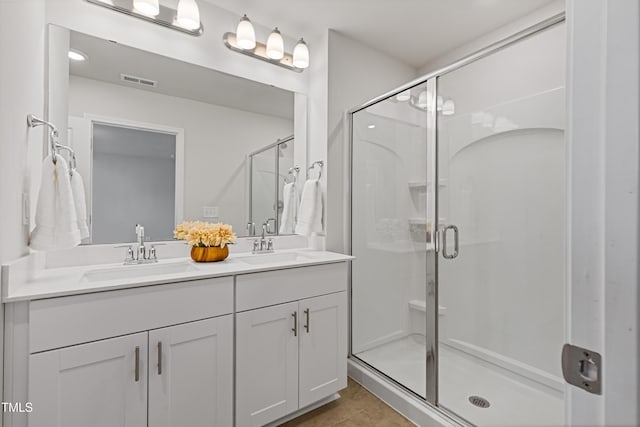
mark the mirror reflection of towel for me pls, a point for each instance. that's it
(56, 219)
(77, 187)
(290, 209)
(310, 212)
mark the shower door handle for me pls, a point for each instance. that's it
(456, 242)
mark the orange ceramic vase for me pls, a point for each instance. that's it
(209, 254)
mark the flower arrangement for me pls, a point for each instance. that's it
(205, 234)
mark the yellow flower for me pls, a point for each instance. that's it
(198, 233)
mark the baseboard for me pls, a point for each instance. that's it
(304, 410)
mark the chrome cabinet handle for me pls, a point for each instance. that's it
(137, 371)
(159, 357)
(456, 243)
(306, 325)
(295, 323)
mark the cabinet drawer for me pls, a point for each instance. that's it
(60, 322)
(275, 287)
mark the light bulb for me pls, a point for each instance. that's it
(422, 100)
(188, 14)
(147, 7)
(301, 55)
(245, 34)
(448, 107)
(275, 45)
(77, 55)
(403, 96)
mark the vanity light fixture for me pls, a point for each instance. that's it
(186, 18)
(244, 41)
(77, 55)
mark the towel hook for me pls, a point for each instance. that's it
(34, 121)
(319, 163)
(294, 171)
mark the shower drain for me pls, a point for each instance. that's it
(478, 401)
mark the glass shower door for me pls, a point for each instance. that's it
(390, 237)
(501, 193)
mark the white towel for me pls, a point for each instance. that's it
(56, 220)
(310, 212)
(290, 209)
(77, 188)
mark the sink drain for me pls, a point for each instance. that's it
(478, 401)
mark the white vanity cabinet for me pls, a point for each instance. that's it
(191, 374)
(183, 373)
(91, 384)
(264, 342)
(289, 354)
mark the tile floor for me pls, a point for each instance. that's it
(356, 407)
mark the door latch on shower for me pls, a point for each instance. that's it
(582, 368)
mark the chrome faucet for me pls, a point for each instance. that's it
(140, 256)
(263, 245)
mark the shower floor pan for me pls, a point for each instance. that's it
(512, 400)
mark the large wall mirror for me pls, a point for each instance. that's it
(159, 141)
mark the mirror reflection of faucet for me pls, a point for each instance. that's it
(263, 245)
(251, 228)
(141, 255)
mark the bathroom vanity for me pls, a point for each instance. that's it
(243, 342)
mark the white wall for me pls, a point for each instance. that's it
(211, 179)
(603, 134)
(21, 92)
(356, 73)
(554, 7)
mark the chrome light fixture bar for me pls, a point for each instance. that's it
(167, 17)
(244, 41)
(260, 52)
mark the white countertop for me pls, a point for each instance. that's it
(56, 282)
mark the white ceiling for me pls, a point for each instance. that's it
(107, 60)
(413, 31)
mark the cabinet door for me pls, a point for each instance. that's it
(100, 384)
(323, 346)
(266, 364)
(191, 374)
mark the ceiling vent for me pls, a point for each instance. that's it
(138, 80)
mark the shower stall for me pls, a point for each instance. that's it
(457, 223)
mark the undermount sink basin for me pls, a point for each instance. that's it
(132, 271)
(259, 259)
